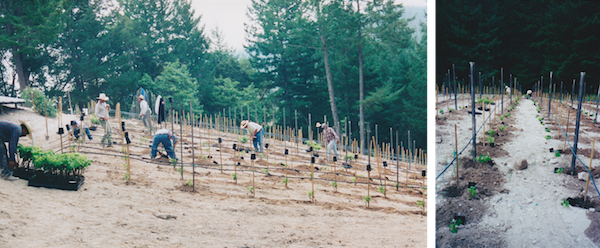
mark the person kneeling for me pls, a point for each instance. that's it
(164, 137)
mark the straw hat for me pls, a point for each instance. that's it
(141, 97)
(324, 125)
(244, 124)
(103, 97)
(26, 126)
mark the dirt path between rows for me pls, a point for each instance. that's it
(528, 211)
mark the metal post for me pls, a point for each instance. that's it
(471, 65)
(502, 90)
(550, 96)
(581, 86)
(597, 98)
(454, 79)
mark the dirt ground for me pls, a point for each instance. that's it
(511, 207)
(157, 208)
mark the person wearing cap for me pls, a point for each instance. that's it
(255, 131)
(331, 138)
(11, 132)
(145, 112)
(101, 111)
(164, 137)
(76, 127)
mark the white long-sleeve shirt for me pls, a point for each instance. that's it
(101, 110)
(144, 108)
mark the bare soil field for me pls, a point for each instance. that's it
(157, 208)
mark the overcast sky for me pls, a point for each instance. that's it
(230, 16)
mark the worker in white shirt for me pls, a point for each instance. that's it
(145, 113)
(101, 112)
(255, 131)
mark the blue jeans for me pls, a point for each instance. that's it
(166, 142)
(257, 142)
(4, 160)
(332, 144)
(77, 130)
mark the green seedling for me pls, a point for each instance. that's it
(472, 191)
(491, 132)
(450, 110)
(189, 182)
(420, 203)
(501, 117)
(127, 176)
(382, 189)
(311, 193)
(180, 169)
(548, 137)
(548, 130)
(556, 154)
(334, 184)
(265, 170)
(173, 161)
(315, 145)
(396, 185)
(502, 128)
(484, 159)
(325, 167)
(354, 179)
(441, 111)
(234, 176)
(310, 175)
(490, 139)
(367, 198)
(285, 180)
(507, 114)
(243, 140)
(349, 157)
(251, 190)
(559, 170)
(565, 203)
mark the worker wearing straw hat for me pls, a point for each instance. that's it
(255, 131)
(331, 138)
(101, 111)
(145, 113)
(11, 132)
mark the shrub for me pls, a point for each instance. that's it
(39, 100)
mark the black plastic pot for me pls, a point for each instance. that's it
(492, 144)
(23, 173)
(551, 149)
(56, 181)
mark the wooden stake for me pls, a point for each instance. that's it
(456, 153)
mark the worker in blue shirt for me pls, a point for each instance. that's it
(10, 132)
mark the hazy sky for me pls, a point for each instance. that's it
(230, 16)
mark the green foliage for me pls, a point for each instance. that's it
(285, 180)
(450, 110)
(472, 191)
(454, 224)
(502, 128)
(548, 130)
(420, 203)
(27, 152)
(367, 198)
(565, 203)
(265, 170)
(251, 190)
(173, 161)
(127, 176)
(548, 137)
(559, 170)
(441, 111)
(62, 163)
(94, 120)
(40, 102)
(349, 157)
(189, 182)
(334, 184)
(484, 159)
(243, 139)
(557, 154)
(353, 179)
(234, 176)
(490, 139)
(491, 132)
(382, 189)
(176, 81)
(311, 193)
(180, 170)
(315, 145)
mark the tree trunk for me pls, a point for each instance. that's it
(361, 86)
(23, 75)
(330, 86)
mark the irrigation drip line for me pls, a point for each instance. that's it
(257, 170)
(573, 152)
(293, 161)
(470, 140)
